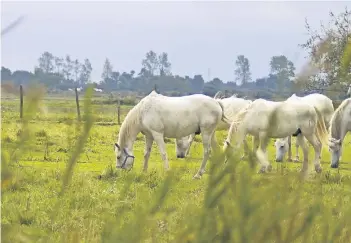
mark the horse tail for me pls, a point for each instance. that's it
(224, 118)
(218, 95)
(322, 132)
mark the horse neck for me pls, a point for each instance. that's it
(128, 133)
(127, 139)
(338, 128)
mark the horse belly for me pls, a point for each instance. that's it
(179, 130)
(178, 125)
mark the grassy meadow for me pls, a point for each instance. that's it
(231, 203)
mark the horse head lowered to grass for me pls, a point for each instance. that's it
(157, 116)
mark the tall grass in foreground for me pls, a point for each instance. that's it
(238, 204)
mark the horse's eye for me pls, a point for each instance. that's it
(281, 146)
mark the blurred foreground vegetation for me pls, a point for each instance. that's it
(59, 184)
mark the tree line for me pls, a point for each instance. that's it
(62, 73)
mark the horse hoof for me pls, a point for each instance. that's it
(289, 160)
(197, 176)
(261, 171)
(318, 168)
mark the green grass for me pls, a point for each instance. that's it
(231, 203)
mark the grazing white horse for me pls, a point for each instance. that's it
(289, 117)
(340, 125)
(323, 104)
(232, 105)
(157, 116)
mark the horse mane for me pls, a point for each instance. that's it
(232, 115)
(130, 121)
(237, 119)
(334, 128)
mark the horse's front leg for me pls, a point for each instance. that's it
(148, 145)
(297, 157)
(261, 154)
(158, 137)
(207, 139)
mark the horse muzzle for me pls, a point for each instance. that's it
(120, 167)
(181, 156)
(334, 166)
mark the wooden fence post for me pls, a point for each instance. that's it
(77, 103)
(21, 101)
(119, 111)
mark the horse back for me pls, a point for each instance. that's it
(180, 114)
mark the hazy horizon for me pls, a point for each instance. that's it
(196, 35)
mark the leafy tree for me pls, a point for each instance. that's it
(22, 77)
(46, 62)
(144, 73)
(132, 72)
(76, 68)
(107, 70)
(164, 64)
(282, 68)
(196, 84)
(115, 76)
(68, 67)
(58, 64)
(5, 74)
(85, 72)
(242, 70)
(150, 63)
(326, 47)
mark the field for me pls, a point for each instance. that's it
(231, 203)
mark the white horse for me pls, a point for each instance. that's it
(323, 104)
(287, 117)
(157, 116)
(232, 105)
(340, 125)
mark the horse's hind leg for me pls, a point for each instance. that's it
(297, 157)
(301, 141)
(246, 149)
(289, 150)
(190, 140)
(312, 138)
(158, 137)
(207, 140)
(256, 143)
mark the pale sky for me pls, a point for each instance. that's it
(196, 35)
